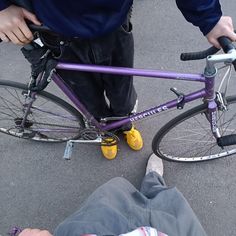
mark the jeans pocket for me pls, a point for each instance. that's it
(126, 28)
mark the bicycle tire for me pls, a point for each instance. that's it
(178, 140)
(64, 121)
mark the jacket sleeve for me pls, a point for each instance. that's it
(4, 4)
(202, 13)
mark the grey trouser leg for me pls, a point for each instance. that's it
(117, 207)
(169, 210)
(152, 184)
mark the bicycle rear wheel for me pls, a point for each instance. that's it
(50, 119)
(188, 137)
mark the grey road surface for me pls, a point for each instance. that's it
(39, 189)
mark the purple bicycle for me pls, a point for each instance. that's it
(205, 132)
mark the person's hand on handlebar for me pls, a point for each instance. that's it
(35, 232)
(224, 27)
(13, 26)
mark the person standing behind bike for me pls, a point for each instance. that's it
(105, 37)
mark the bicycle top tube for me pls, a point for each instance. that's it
(131, 71)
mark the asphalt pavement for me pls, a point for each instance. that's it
(39, 189)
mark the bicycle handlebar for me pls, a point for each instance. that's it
(225, 43)
(189, 56)
(39, 28)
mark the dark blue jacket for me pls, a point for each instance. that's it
(92, 18)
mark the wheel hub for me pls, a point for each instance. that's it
(27, 124)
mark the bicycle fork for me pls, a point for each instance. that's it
(222, 140)
(212, 111)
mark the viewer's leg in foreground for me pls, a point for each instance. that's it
(169, 210)
(153, 182)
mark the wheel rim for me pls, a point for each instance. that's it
(47, 121)
(192, 140)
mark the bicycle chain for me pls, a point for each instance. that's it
(92, 133)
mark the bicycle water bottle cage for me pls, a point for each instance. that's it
(180, 98)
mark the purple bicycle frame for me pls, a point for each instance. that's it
(207, 92)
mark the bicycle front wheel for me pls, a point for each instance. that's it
(50, 118)
(188, 137)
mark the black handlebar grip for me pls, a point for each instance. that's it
(226, 44)
(198, 55)
(39, 28)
